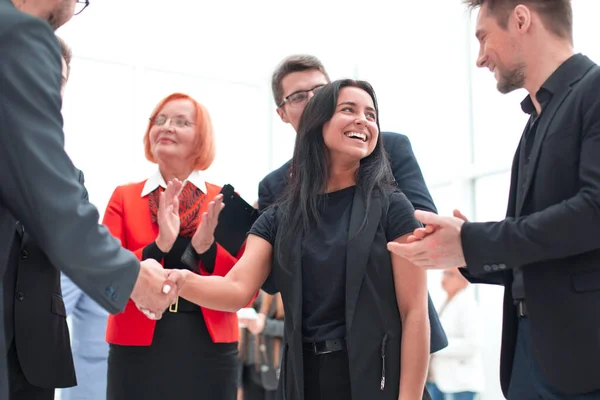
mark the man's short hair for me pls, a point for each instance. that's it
(556, 15)
(65, 53)
(293, 63)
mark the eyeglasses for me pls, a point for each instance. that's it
(300, 97)
(179, 122)
(80, 6)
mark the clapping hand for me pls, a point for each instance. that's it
(205, 234)
(167, 216)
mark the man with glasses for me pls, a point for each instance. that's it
(293, 83)
(40, 194)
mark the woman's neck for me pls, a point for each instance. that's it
(170, 173)
(342, 176)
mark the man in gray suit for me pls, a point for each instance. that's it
(38, 183)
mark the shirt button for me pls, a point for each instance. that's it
(24, 254)
(20, 296)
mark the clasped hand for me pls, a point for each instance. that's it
(436, 246)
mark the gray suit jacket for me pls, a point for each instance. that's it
(38, 182)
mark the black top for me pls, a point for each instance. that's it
(324, 258)
(529, 140)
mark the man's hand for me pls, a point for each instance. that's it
(205, 234)
(153, 291)
(421, 233)
(438, 246)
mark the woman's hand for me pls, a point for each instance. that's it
(167, 216)
(205, 234)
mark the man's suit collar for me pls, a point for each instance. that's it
(562, 78)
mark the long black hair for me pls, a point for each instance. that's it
(309, 171)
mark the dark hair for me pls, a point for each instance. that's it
(293, 63)
(556, 15)
(309, 172)
(65, 53)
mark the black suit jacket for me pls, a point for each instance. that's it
(409, 179)
(38, 182)
(40, 320)
(552, 231)
(373, 325)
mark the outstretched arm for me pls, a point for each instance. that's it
(236, 289)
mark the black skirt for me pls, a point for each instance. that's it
(182, 363)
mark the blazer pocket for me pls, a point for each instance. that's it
(586, 281)
(58, 306)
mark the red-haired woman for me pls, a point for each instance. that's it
(192, 351)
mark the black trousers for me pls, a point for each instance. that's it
(19, 386)
(327, 376)
(527, 381)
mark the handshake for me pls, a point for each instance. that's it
(156, 288)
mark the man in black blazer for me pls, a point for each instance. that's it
(38, 183)
(546, 253)
(293, 83)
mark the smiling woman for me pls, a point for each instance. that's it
(190, 350)
(354, 313)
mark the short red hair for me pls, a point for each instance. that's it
(205, 140)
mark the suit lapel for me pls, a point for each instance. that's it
(358, 249)
(560, 89)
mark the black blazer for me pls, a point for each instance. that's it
(410, 180)
(553, 231)
(40, 319)
(370, 299)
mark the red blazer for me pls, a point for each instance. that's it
(127, 217)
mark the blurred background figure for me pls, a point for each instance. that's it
(261, 340)
(456, 372)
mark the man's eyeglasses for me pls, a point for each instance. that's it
(80, 6)
(179, 122)
(299, 98)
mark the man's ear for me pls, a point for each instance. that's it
(282, 115)
(522, 18)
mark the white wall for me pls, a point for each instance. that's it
(419, 56)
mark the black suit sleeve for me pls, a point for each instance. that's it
(493, 278)
(407, 172)
(38, 182)
(565, 229)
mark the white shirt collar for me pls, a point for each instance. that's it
(157, 180)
